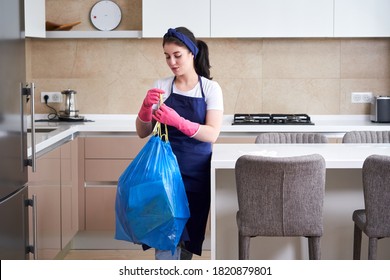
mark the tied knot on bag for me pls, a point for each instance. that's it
(157, 130)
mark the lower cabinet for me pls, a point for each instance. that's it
(69, 192)
(54, 185)
(105, 160)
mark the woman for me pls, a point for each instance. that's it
(193, 110)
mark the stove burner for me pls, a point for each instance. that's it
(251, 119)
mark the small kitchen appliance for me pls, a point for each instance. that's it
(271, 119)
(380, 109)
(69, 112)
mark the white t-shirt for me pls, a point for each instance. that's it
(211, 89)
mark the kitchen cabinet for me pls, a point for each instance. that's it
(69, 192)
(45, 184)
(105, 160)
(158, 16)
(35, 25)
(54, 185)
(34, 18)
(362, 18)
(277, 18)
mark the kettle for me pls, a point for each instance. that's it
(69, 111)
(380, 109)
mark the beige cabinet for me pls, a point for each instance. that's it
(105, 158)
(69, 192)
(54, 185)
(45, 184)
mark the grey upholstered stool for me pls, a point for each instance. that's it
(290, 138)
(374, 220)
(280, 196)
(367, 137)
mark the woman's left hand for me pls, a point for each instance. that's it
(168, 116)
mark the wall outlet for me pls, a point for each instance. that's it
(361, 97)
(54, 97)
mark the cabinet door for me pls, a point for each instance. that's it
(158, 16)
(45, 185)
(105, 160)
(35, 18)
(276, 18)
(69, 192)
(362, 18)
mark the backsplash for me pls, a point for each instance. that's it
(313, 76)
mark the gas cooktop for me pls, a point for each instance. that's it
(272, 119)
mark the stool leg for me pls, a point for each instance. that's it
(243, 247)
(314, 248)
(357, 242)
(372, 245)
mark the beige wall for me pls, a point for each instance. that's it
(111, 76)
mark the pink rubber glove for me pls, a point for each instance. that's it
(167, 115)
(152, 97)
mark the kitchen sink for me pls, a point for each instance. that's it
(43, 129)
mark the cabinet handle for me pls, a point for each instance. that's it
(34, 247)
(33, 149)
(29, 91)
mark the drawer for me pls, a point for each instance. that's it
(107, 170)
(113, 147)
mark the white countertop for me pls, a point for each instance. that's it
(125, 124)
(335, 155)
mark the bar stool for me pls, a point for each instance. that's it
(374, 220)
(280, 196)
(367, 137)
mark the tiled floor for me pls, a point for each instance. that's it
(119, 255)
(101, 245)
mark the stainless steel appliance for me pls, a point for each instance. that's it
(272, 119)
(380, 109)
(70, 111)
(15, 99)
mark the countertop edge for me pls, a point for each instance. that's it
(125, 124)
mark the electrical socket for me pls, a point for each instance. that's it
(361, 97)
(54, 97)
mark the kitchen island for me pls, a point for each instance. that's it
(343, 195)
(344, 192)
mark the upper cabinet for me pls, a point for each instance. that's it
(158, 16)
(362, 18)
(229, 19)
(276, 18)
(34, 18)
(35, 22)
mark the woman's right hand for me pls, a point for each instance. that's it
(152, 97)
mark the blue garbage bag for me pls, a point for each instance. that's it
(151, 205)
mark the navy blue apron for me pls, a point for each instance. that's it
(192, 155)
(194, 158)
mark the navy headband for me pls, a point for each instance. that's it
(184, 39)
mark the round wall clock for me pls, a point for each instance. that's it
(106, 15)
